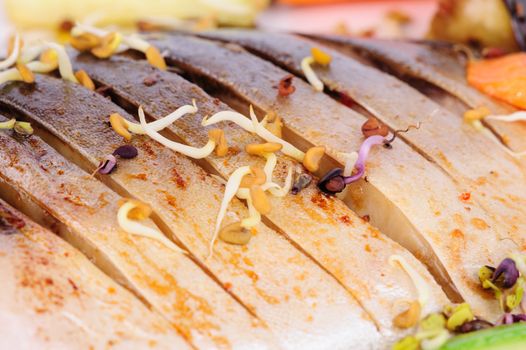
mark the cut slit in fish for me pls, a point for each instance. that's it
(186, 200)
(53, 297)
(426, 199)
(328, 220)
(440, 67)
(35, 176)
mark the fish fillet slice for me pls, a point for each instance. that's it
(438, 66)
(319, 224)
(53, 297)
(300, 302)
(400, 193)
(31, 171)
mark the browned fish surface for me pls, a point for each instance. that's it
(406, 195)
(322, 225)
(438, 65)
(86, 214)
(299, 302)
(53, 297)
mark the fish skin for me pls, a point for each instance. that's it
(440, 66)
(439, 218)
(493, 176)
(323, 214)
(47, 286)
(170, 282)
(301, 316)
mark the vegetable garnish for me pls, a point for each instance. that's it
(374, 127)
(216, 140)
(334, 181)
(267, 150)
(9, 124)
(502, 78)
(412, 315)
(319, 57)
(25, 73)
(103, 44)
(106, 166)
(13, 54)
(23, 128)
(231, 188)
(512, 337)
(126, 152)
(312, 78)
(272, 122)
(477, 115)
(254, 126)
(302, 181)
(108, 45)
(285, 87)
(313, 157)
(508, 286)
(132, 210)
(337, 179)
(84, 79)
(123, 127)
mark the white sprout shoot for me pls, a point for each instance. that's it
(419, 283)
(513, 117)
(128, 41)
(312, 78)
(254, 217)
(11, 74)
(255, 127)
(350, 162)
(64, 64)
(231, 188)
(270, 164)
(135, 228)
(278, 191)
(9, 124)
(41, 67)
(196, 153)
(164, 122)
(31, 53)
(13, 56)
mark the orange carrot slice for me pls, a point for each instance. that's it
(503, 78)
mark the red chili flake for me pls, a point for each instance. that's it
(366, 218)
(150, 80)
(465, 196)
(285, 86)
(345, 219)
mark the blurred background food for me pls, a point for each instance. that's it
(483, 23)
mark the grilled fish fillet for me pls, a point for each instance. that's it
(407, 196)
(438, 65)
(299, 302)
(170, 282)
(54, 298)
(323, 226)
